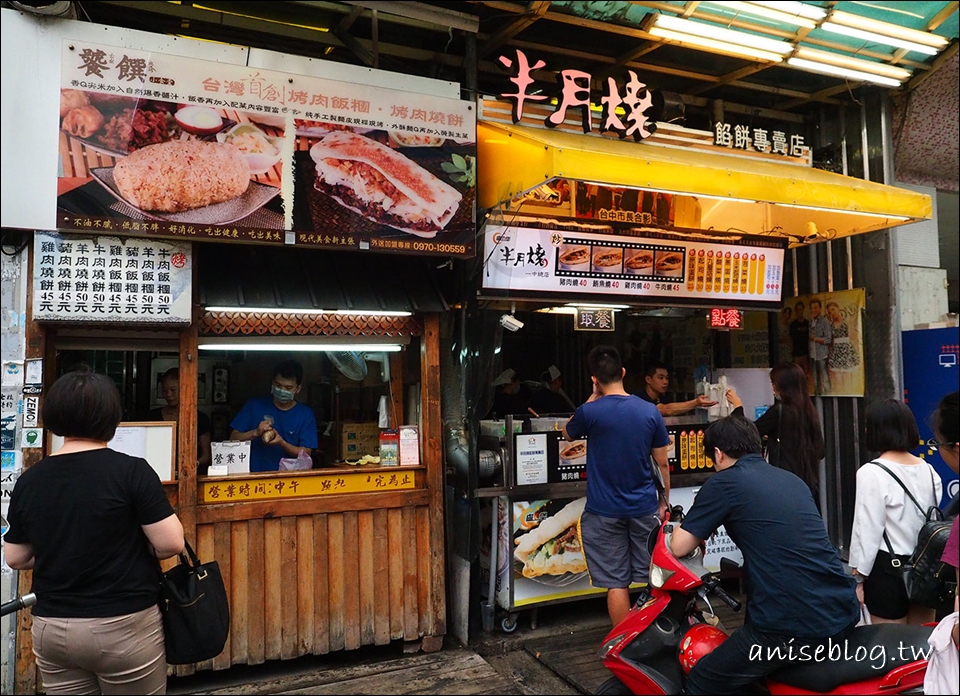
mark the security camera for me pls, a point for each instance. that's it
(510, 322)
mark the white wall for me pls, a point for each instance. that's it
(29, 111)
(922, 297)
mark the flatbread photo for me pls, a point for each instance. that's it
(553, 547)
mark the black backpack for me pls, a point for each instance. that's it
(928, 580)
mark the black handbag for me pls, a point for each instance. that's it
(922, 574)
(196, 614)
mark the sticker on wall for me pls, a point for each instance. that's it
(32, 437)
(31, 411)
(13, 374)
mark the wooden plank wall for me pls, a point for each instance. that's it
(315, 583)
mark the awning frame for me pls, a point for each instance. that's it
(803, 204)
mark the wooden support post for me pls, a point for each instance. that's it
(432, 434)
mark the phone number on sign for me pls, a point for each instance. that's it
(439, 248)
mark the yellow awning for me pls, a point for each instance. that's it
(734, 193)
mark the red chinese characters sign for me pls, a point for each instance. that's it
(726, 318)
(636, 101)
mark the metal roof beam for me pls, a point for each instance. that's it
(535, 10)
(429, 14)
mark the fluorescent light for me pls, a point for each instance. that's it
(878, 38)
(281, 346)
(557, 310)
(799, 9)
(288, 310)
(577, 305)
(769, 13)
(853, 63)
(842, 72)
(845, 212)
(675, 193)
(739, 39)
(715, 46)
(886, 29)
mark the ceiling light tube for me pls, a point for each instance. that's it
(289, 310)
(676, 193)
(799, 9)
(878, 38)
(853, 63)
(845, 212)
(715, 46)
(887, 29)
(578, 305)
(740, 39)
(768, 13)
(281, 346)
(837, 71)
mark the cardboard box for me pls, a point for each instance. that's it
(358, 439)
(235, 455)
(409, 445)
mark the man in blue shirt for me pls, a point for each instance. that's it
(623, 505)
(797, 592)
(276, 425)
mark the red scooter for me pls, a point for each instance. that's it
(657, 644)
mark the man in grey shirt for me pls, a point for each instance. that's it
(821, 336)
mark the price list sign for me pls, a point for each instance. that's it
(108, 279)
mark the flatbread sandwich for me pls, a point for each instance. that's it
(383, 185)
(553, 547)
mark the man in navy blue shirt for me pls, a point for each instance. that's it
(623, 505)
(797, 592)
(277, 425)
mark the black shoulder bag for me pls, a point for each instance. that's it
(196, 615)
(923, 576)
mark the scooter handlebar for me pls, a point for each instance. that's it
(725, 598)
(27, 600)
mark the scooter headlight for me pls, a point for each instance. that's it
(659, 576)
(610, 645)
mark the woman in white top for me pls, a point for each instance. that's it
(883, 507)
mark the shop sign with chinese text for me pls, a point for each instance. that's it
(522, 259)
(594, 319)
(635, 101)
(109, 279)
(165, 146)
(740, 137)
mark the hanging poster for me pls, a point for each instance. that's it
(161, 145)
(629, 265)
(826, 340)
(109, 279)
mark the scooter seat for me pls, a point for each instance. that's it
(867, 653)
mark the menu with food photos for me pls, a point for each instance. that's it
(747, 272)
(162, 145)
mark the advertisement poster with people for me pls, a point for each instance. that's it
(823, 333)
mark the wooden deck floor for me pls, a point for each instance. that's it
(457, 672)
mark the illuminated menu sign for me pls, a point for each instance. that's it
(747, 273)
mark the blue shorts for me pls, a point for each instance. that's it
(616, 549)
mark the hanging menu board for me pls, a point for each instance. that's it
(561, 261)
(109, 279)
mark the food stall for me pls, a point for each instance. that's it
(585, 224)
(349, 551)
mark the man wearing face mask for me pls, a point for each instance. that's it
(276, 425)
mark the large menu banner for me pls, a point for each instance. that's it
(570, 261)
(160, 145)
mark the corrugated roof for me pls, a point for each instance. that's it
(296, 278)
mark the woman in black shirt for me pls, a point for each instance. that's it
(791, 426)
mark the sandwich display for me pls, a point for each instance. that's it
(383, 185)
(643, 259)
(576, 450)
(573, 256)
(553, 547)
(669, 262)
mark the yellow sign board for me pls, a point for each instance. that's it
(279, 487)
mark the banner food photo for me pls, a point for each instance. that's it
(823, 333)
(152, 144)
